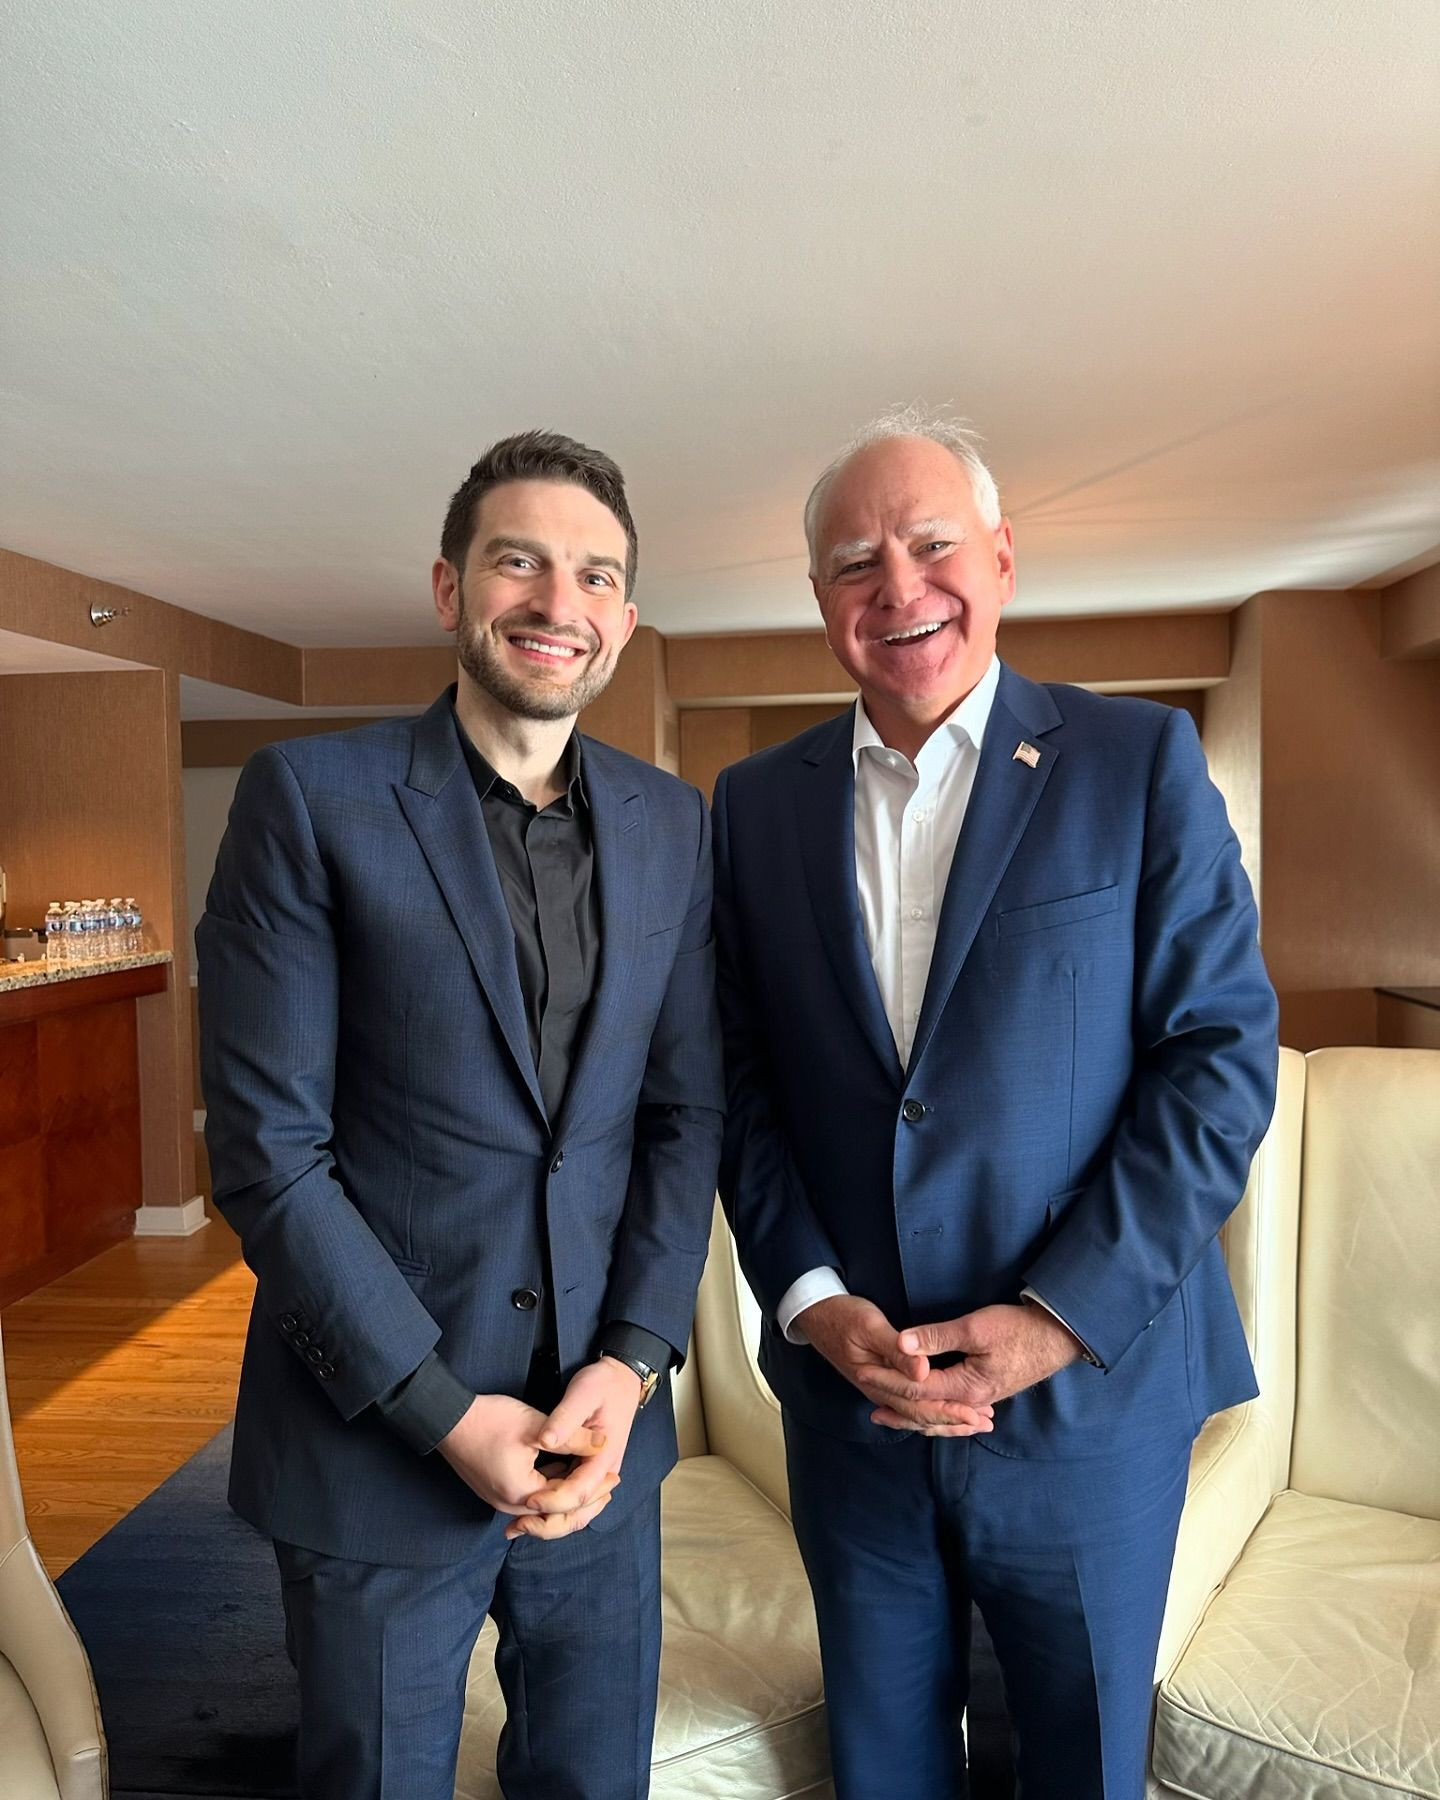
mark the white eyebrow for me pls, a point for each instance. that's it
(922, 528)
(935, 528)
(845, 552)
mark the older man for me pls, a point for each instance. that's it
(1000, 1046)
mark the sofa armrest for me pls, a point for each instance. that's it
(43, 1647)
(1232, 1483)
(742, 1416)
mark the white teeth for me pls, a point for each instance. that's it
(915, 632)
(557, 650)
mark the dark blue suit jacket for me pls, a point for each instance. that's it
(1095, 1060)
(376, 1130)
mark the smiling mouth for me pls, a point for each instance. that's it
(541, 647)
(916, 633)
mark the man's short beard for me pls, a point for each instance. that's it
(480, 659)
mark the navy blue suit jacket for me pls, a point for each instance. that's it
(1095, 1062)
(376, 1130)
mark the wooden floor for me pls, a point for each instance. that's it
(118, 1373)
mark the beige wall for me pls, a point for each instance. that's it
(208, 793)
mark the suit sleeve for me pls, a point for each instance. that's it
(1206, 1050)
(665, 1230)
(776, 1231)
(269, 1011)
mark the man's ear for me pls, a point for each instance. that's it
(1005, 560)
(632, 619)
(820, 602)
(445, 585)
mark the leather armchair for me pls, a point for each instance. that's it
(52, 1746)
(1301, 1652)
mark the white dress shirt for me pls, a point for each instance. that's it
(908, 820)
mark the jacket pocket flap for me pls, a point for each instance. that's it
(1064, 911)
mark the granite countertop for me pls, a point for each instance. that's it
(41, 974)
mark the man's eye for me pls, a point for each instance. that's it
(938, 544)
(598, 578)
(516, 561)
(852, 568)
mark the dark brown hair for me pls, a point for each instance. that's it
(538, 456)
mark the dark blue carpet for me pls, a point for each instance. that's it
(179, 1608)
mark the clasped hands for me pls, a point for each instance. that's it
(514, 1457)
(1005, 1349)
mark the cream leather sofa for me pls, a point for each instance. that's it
(51, 1743)
(1301, 1651)
(741, 1715)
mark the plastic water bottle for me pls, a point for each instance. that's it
(54, 935)
(74, 933)
(135, 926)
(115, 926)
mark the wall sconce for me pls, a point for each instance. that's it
(102, 615)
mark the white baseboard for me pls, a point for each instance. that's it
(172, 1221)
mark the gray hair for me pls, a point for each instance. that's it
(912, 421)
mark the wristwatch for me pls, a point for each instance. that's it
(649, 1378)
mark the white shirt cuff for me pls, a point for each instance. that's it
(815, 1284)
(1028, 1293)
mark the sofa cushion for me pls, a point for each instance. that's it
(741, 1716)
(1317, 1667)
(26, 1771)
(1367, 1404)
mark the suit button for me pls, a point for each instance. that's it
(525, 1299)
(559, 1160)
(315, 1355)
(913, 1111)
(288, 1322)
(300, 1339)
(325, 1370)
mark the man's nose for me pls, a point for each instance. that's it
(902, 581)
(555, 596)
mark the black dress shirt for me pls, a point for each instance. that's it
(545, 859)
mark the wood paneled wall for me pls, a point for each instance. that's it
(1410, 617)
(53, 604)
(1157, 652)
(636, 712)
(713, 737)
(1231, 734)
(1330, 757)
(91, 805)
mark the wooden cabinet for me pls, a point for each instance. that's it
(70, 1153)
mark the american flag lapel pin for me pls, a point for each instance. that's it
(1026, 753)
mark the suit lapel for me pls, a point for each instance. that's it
(621, 838)
(443, 809)
(1005, 794)
(825, 822)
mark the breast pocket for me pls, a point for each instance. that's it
(1067, 910)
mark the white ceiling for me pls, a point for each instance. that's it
(274, 273)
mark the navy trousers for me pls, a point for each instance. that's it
(382, 1652)
(1068, 1564)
